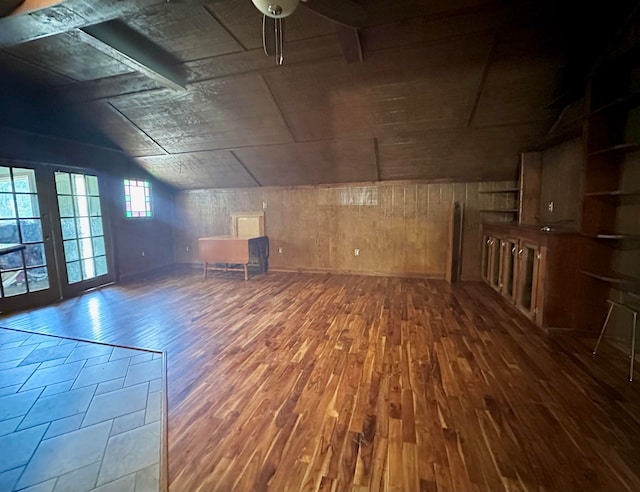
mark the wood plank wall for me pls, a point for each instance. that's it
(400, 228)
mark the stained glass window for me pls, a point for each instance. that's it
(137, 198)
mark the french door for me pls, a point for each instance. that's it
(58, 216)
(81, 226)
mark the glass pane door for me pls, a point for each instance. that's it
(27, 275)
(82, 230)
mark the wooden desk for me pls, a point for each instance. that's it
(227, 252)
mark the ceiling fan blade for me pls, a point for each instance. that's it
(268, 35)
(344, 12)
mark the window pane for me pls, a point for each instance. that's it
(73, 272)
(9, 232)
(31, 230)
(24, 180)
(137, 198)
(94, 206)
(98, 246)
(34, 255)
(82, 206)
(7, 206)
(65, 204)
(84, 228)
(96, 226)
(63, 185)
(13, 283)
(101, 265)
(78, 184)
(86, 248)
(92, 186)
(11, 261)
(88, 268)
(68, 228)
(28, 206)
(71, 250)
(38, 279)
(5, 179)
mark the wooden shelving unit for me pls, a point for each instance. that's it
(619, 148)
(611, 198)
(616, 279)
(507, 211)
(497, 192)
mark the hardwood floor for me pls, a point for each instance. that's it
(319, 382)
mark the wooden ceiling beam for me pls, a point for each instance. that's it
(51, 17)
(119, 41)
(349, 38)
(301, 52)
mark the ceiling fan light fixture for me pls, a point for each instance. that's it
(277, 9)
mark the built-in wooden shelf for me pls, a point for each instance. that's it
(620, 148)
(617, 279)
(494, 192)
(503, 211)
(558, 137)
(613, 193)
(617, 236)
(626, 102)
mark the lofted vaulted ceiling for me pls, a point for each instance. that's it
(447, 89)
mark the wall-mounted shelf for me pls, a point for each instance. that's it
(617, 236)
(615, 194)
(495, 192)
(508, 211)
(623, 103)
(617, 279)
(617, 149)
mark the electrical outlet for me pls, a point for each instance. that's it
(280, 250)
(187, 248)
(142, 253)
(264, 205)
(356, 252)
(550, 207)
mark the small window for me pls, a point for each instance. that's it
(137, 198)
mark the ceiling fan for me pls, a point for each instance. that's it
(345, 12)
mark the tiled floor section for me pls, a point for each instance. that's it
(78, 416)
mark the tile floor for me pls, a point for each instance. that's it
(78, 416)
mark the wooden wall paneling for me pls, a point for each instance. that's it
(24, 69)
(189, 32)
(222, 113)
(460, 154)
(331, 161)
(440, 198)
(388, 94)
(301, 52)
(426, 31)
(66, 55)
(562, 183)
(472, 233)
(530, 183)
(400, 228)
(120, 129)
(521, 58)
(197, 170)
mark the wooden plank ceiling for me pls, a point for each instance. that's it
(448, 89)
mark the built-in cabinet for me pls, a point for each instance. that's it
(538, 272)
(576, 241)
(511, 266)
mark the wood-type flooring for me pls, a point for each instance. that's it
(293, 382)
